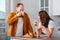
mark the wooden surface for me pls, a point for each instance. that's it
(41, 38)
(21, 38)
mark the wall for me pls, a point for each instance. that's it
(32, 8)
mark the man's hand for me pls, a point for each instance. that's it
(22, 13)
(19, 14)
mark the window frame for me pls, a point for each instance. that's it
(44, 6)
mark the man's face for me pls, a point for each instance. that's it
(20, 8)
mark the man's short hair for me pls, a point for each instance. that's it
(19, 4)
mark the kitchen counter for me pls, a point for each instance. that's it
(41, 38)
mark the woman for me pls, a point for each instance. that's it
(46, 24)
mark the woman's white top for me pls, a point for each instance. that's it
(50, 25)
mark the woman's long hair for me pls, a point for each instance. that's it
(44, 18)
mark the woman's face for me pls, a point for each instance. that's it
(38, 17)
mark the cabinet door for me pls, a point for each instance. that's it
(56, 7)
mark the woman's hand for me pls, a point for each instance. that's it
(35, 23)
(48, 31)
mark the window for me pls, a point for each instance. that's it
(2, 16)
(2, 5)
(2, 26)
(44, 5)
(2, 9)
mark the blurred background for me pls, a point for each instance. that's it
(32, 7)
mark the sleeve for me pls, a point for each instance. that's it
(51, 24)
(11, 19)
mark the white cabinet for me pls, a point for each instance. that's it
(56, 7)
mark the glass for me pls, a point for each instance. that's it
(46, 3)
(2, 30)
(42, 8)
(46, 9)
(2, 23)
(42, 3)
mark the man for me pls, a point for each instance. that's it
(19, 23)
